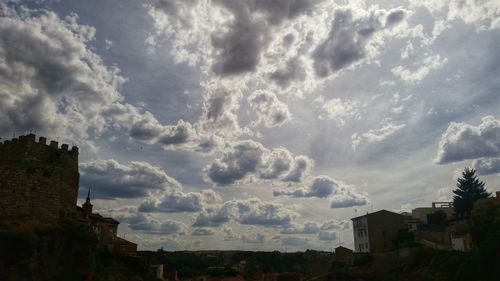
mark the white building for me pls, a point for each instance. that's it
(361, 241)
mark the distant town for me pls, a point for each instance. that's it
(46, 236)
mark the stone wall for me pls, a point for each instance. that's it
(38, 181)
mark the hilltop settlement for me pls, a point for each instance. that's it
(45, 235)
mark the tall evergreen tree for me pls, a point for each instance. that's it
(469, 190)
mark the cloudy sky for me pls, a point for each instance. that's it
(261, 125)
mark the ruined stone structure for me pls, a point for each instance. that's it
(38, 181)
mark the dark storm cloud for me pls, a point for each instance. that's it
(487, 166)
(239, 47)
(293, 71)
(345, 43)
(239, 50)
(240, 160)
(347, 40)
(463, 141)
(109, 179)
(247, 211)
(394, 17)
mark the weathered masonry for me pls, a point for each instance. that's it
(38, 181)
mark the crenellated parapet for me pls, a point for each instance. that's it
(38, 179)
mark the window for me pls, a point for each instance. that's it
(366, 245)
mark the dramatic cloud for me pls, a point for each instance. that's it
(109, 179)
(292, 71)
(340, 194)
(348, 198)
(246, 158)
(178, 201)
(487, 166)
(462, 141)
(272, 112)
(347, 40)
(203, 232)
(254, 98)
(54, 83)
(250, 211)
(242, 159)
(148, 224)
(50, 81)
(321, 187)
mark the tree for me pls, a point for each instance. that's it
(469, 190)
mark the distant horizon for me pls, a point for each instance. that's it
(256, 125)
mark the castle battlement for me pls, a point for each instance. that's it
(31, 138)
(38, 180)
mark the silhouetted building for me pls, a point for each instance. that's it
(38, 182)
(422, 213)
(345, 255)
(376, 232)
(106, 229)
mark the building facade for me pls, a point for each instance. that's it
(376, 232)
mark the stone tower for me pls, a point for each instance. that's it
(38, 182)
